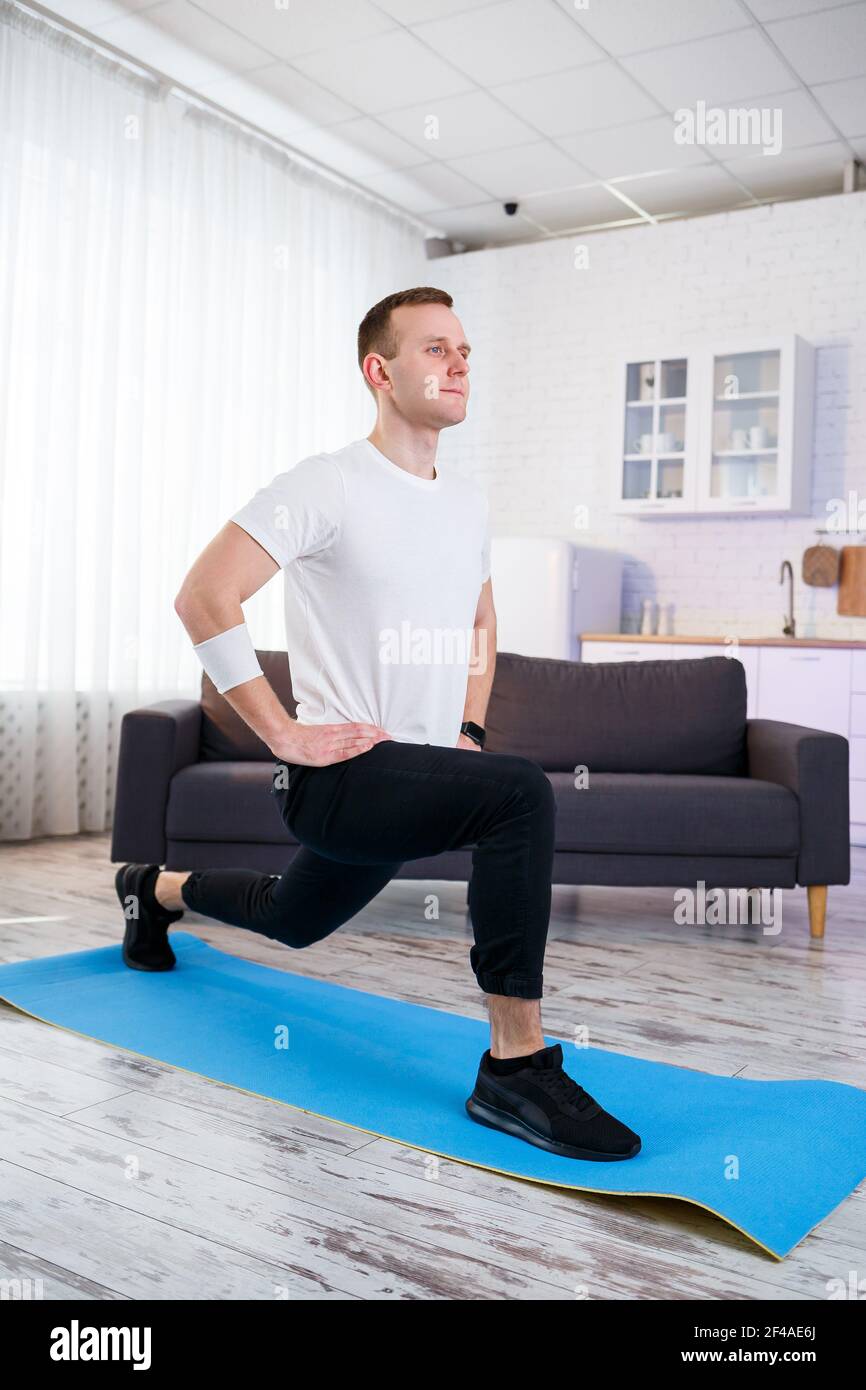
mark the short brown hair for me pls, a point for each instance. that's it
(375, 333)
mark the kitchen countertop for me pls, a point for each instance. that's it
(721, 641)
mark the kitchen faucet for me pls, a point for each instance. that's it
(788, 628)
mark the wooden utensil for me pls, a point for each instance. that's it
(852, 581)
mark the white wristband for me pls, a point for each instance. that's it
(229, 658)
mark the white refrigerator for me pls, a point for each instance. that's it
(547, 591)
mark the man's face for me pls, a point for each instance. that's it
(430, 374)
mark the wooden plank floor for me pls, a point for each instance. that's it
(121, 1178)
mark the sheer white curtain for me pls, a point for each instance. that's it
(179, 305)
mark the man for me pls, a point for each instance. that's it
(386, 564)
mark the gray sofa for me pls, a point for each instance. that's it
(679, 786)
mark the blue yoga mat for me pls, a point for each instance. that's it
(403, 1072)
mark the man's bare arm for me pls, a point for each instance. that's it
(483, 664)
(231, 568)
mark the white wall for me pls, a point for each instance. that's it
(547, 339)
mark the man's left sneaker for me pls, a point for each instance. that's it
(543, 1105)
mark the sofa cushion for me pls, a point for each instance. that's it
(228, 801)
(617, 813)
(644, 716)
(667, 716)
(224, 735)
(671, 813)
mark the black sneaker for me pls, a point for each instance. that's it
(145, 940)
(542, 1104)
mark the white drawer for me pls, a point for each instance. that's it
(857, 791)
(693, 649)
(624, 651)
(858, 670)
(806, 685)
(857, 759)
(858, 715)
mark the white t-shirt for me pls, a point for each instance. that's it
(382, 573)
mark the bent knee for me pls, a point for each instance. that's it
(534, 785)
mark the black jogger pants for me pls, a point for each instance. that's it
(359, 820)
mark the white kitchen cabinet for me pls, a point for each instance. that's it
(656, 434)
(857, 768)
(755, 442)
(806, 686)
(858, 714)
(737, 441)
(624, 651)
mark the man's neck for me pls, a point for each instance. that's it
(413, 450)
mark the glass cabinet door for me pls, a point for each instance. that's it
(745, 426)
(654, 442)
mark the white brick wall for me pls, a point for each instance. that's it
(547, 340)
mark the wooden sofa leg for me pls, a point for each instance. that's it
(817, 893)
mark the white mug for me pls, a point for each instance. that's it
(646, 444)
(759, 437)
(739, 439)
(667, 443)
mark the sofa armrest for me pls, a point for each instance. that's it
(814, 765)
(156, 741)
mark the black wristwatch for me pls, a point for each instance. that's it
(473, 731)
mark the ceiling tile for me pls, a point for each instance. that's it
(578, 99)
(845, 103)
(799, 172)
(728, 67)
(823, 47)
(350, 148)
(514, 173)
(511, 40)
(302, 26)
(306, 100)
(767, 10)
(467, 124)
(701, 189)
(628, 26)
(790, 117)
(577, 208)
(637, 148)
(373, 149)
(802, 121)
(417, 11)
(383, 73)
(427, 188)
